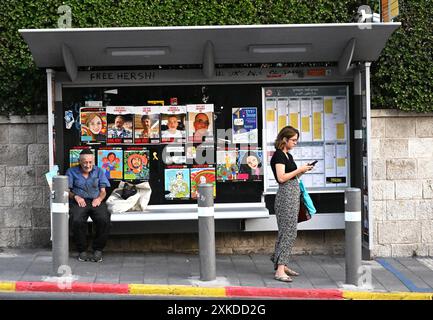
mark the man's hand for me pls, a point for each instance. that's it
(96, 202)
(81, 202)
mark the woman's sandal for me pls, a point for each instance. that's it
(283, 278)
(290, 272)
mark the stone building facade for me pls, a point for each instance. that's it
(402, 171)
(402, 195)
(24, 193)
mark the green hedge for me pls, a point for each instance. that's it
(22, 85)
(402, 78)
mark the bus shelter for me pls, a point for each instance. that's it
(245, 83)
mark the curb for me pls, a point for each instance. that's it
(220, 292)
(352, 295)
(78, 287)
(331, 294)
(172, 290)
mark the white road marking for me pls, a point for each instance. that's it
(428, 262)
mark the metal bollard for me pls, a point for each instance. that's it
(206, 232)
(60, 209)
(353, 249)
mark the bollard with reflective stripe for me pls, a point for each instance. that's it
(206, 232)
(60, 237)
(353, 247)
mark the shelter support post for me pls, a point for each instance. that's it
(60, 209)
(206, 228)
(352, 215)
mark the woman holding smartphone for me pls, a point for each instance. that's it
(287, 200)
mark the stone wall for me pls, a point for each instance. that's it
(402, 172)
(329, 242)
(24, 193)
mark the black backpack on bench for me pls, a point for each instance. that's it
(128, 190)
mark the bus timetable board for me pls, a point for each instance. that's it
(321, 115)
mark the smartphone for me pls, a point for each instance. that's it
(313, 163)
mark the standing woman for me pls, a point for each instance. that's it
(286, 201)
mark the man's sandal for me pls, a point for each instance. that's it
(283, 278)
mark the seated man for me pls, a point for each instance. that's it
(87, 185)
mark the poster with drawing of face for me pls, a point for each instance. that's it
(136, 164)
(201, 176)
(93, 123)
(177, 184)
(111, 161)
(250, 165)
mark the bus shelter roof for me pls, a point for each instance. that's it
(145, 46)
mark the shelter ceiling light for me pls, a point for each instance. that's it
(141, 52)
(279, 48)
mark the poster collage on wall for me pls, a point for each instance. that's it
(119, 137)
(127, 125)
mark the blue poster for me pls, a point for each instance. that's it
(244, 121)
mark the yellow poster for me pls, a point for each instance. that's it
(341, 162)
(282, 122)
(156, 102)
(340, 131)
(294, 120)
(270, 115)
(328, 105)
(305, 124)
(317, 126)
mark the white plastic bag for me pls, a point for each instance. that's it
(144, 191)
(137, 202)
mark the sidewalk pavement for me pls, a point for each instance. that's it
(240, 276)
